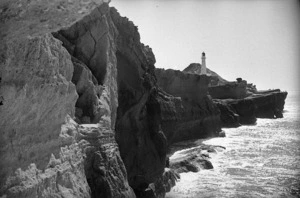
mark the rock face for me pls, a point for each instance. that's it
(193, 159)
(57, 156)
(101, 76)
(235, 112)
(199, 117)
(114, 77)
(142, 106)
(96, 43)
(232, 90)
(270, 104)
(104, 169)
(229, 116)
(36, 127)
(245, 111)
(219, 88)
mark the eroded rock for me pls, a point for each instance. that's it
(199, 116)
(193, 159)
(38, 94)
(104, 168)
(247, 110)
(112, 68)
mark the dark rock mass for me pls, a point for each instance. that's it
(193, 159)
(199, 117)
(270, 104)
(240, 102)
(245, 111)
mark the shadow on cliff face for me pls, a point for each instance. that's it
(119, 95)
(199, 117)
(142, 144)
(1, 97)
(113, 69)
(92, 44)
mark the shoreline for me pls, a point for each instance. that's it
(241, 165)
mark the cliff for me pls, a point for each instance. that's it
(199, 117)
(219, 88)
(82, 112)
(245, 111)
(44, 152)
(240, 102)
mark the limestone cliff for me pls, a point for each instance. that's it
(36, 127)
(44, 152)
(199, 116)
(81, 117)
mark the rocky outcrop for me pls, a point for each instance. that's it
(142, 143)
(104, 169)
(39, 154)
(245, 111)
(229, 116)
(241, 110)
(162, 185)
(103, 77)
(199, 116)
(270, 104)
(195, 68)
(113, 68)
(219, 88)
(233, 90)
(193, 159)
(44, 153)
(94, 42)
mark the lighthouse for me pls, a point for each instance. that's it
(203, 67)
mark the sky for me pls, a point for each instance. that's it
(257, 40)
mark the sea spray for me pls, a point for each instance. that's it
(261, 160)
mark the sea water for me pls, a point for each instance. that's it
(261, 160)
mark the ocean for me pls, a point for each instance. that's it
(261, 160)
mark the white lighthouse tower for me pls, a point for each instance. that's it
(203, 67)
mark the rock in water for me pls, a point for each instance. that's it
(247, 110)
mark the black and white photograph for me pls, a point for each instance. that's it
(149, 98)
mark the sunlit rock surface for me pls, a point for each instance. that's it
(39, 154)
(57, 157)
(92, 42)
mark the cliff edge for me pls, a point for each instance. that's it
(81, 110)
